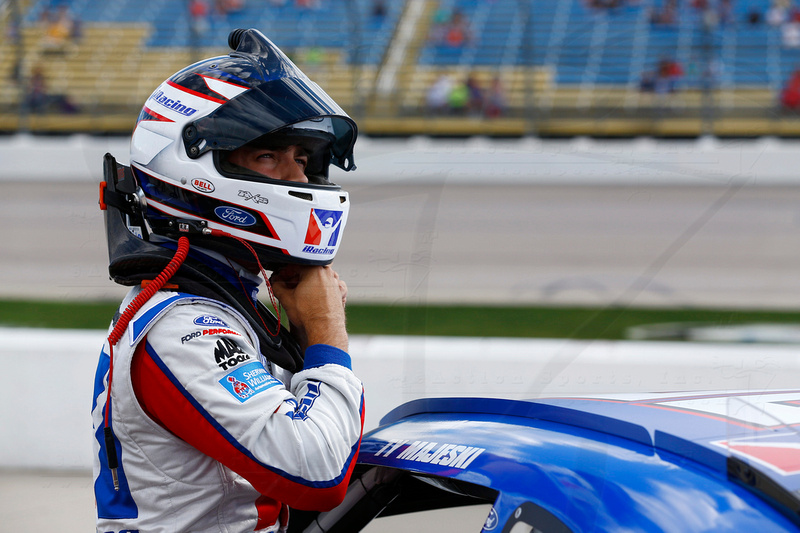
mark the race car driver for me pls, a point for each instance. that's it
(212, 411)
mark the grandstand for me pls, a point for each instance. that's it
(568, 67)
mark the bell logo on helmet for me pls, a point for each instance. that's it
(203, 185)
(237, 217)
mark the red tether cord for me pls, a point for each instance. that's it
(137, 303)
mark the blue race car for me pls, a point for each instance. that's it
(714, 462)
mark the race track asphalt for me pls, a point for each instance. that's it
(673, 246)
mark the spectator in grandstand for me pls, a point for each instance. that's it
(714, 13)
(709, 18)
(457, 32)
(198, 18)
(790, 33)
(664, 79)
(41, 100)
(666, 15)
(307, 4)
(439, 22)
(475, 96)
(37, 90)
(458, 99)
(668, 75)
(754, 17)
(223, 8)
(16, 72)
(436, 99)
(725, 10)
(495, 99)
(62, 30)
(609, 5)
(378, 10)
(778, 12)
(450, 28)
(647, 83)
(790, 94)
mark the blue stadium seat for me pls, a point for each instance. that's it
(331, 26)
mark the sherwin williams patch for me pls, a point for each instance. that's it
(248, 380)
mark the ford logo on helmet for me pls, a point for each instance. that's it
(232, 215)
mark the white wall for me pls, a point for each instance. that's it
(46, 385)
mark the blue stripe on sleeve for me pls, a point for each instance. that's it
(324, 354)
(141, 323)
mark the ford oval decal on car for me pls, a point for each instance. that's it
(235, 216)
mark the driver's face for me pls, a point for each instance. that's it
(286, 163)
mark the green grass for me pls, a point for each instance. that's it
(486, 321)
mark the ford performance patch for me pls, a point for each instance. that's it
(248, 380)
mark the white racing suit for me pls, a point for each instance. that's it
(210, 436)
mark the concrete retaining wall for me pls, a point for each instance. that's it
(46, 385)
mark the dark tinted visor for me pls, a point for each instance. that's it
(315, 143)
(266, 108)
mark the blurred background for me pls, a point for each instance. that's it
(554, 197)
(615, 68)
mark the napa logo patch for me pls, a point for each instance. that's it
(322, 236)
(248, 380)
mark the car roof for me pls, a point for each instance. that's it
(746, 437)
(761, 427)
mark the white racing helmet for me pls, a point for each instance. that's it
(182, 179)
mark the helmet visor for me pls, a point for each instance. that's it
(268, 107)
(314, 143)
